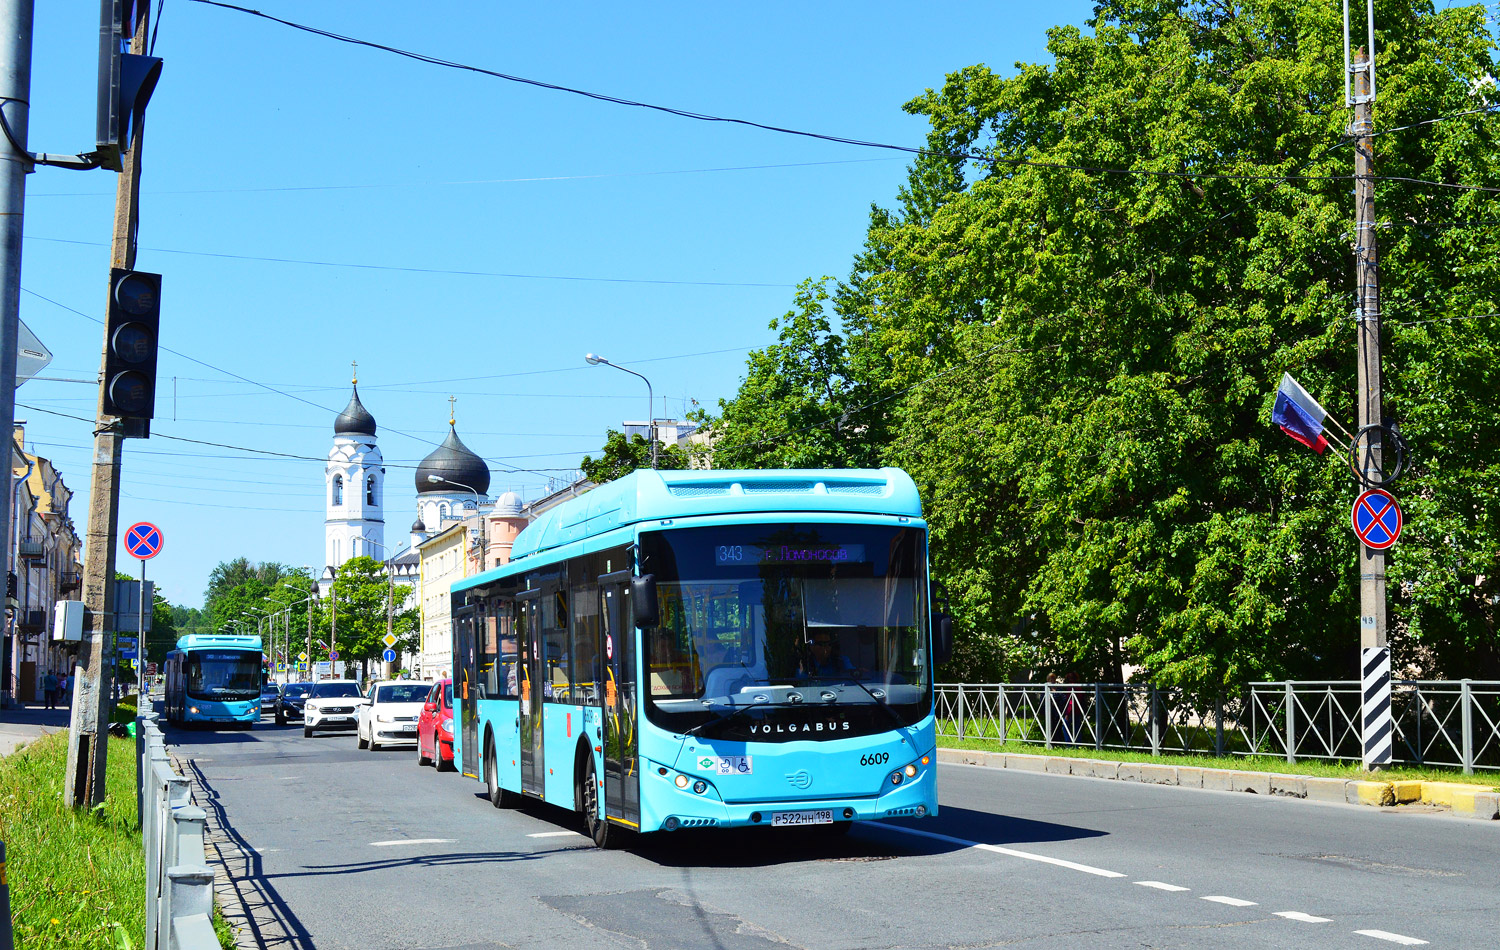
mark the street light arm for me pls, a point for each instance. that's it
(595, 360)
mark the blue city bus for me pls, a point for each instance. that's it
(214, 678)
(696, 649)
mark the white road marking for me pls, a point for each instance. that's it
(1231, 901)
(555, 834)
(1027, 855)
(1298, 915)
(387, 844)
(1393, 938)
(1160, 886)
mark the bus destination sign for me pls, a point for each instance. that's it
(729, 555)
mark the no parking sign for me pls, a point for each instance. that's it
(1377, 518)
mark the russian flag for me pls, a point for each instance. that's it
(1299, 414)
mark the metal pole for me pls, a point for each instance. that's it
(15, 87)
(1291, 722)
(1466, 717)
(140, 642)
(7, 940)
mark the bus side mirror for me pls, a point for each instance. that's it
(942, 640)
(643, 606)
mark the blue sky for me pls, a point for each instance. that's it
(310, 203)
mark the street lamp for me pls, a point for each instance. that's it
(478, 508)
(593, 359)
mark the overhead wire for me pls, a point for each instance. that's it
(707, 117)
(447, 272)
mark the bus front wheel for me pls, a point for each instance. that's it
(605, 835)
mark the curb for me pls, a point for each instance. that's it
(1466, 801)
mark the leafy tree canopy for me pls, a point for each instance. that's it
(1078, 366)
(622, 455)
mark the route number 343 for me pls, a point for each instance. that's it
(875, 758)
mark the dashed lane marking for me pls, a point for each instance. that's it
(1393, 938)
(387, 844)
(1161, 886)
(1304, 918)
(1231, 901)
(1012, 852)
(555, 834)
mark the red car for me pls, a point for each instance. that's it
(435, 727)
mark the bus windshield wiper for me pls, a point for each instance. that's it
(734, 714)
(883, 707)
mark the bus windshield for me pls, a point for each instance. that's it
(825, 609)
(222, 674)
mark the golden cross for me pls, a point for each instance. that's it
(451, 418)
(354, 364)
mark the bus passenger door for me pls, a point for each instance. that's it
(622, 784)
(531, 673)
(466, 688)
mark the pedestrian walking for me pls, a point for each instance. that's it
(67, 687)
(49, 689)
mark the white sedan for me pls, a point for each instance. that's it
(390, 714)
(331, 705)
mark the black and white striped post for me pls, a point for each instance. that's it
(1375, 695)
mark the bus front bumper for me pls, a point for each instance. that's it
(203, 710)
(669, 807)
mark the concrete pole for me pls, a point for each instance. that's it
(15, 87)
(87, 746)
(1375, 656)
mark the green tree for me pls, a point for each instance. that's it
(1077, 366)
(622, 455)
(363, 595)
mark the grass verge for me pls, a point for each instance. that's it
(1239, 763)
(77, 879)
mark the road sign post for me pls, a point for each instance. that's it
(143, 540)
(1377, 520)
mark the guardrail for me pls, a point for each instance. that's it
(1437, 722)
(179, 883)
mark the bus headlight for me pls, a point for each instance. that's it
(681, 781)
(700, 786)
(193, 710)
(911, 771)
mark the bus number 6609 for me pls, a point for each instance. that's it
(875, 758)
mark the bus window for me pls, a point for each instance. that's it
(671, 664)
(556, 683)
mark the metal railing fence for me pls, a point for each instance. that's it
(1453, 723)
(179, 883)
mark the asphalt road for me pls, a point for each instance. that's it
(350, 849)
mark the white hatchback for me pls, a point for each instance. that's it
(390, 715)
(331, 704)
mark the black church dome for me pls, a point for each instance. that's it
(457, 469)
(355, 419)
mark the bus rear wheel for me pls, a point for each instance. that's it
(500, 797)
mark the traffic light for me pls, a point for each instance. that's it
(131, 336)
(126, 80)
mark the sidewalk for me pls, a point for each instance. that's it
(22, 722)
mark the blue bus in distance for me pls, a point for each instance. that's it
(693, 649)
(214, 679)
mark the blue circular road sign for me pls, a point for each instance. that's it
(143, 540)
(389, 656)
(1377, 518)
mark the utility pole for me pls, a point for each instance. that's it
(390, 594)
(87, 745)
(15, 162)
(311, 603)
(1375, 655)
